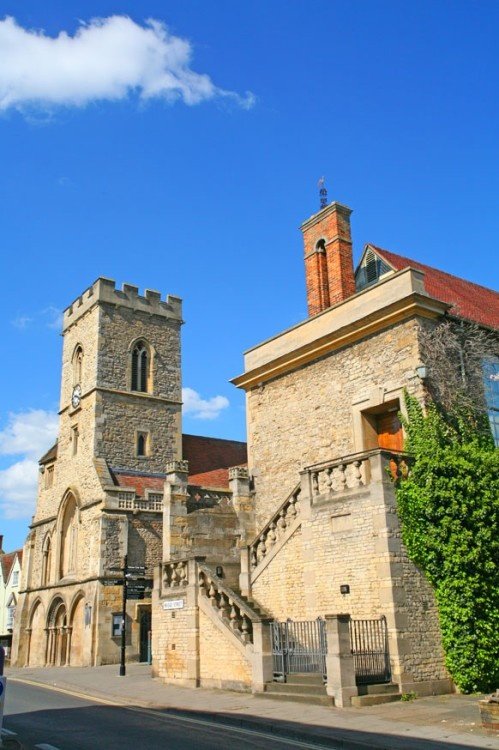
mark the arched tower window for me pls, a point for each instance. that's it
(140, 367)
(77, 365)
(69, 538)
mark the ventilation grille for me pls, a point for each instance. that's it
(371, 270)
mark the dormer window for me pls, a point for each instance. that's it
(140, 367)
(371, 269)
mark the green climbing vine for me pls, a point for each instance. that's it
(449, 509)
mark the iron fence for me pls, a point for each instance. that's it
(369, 644)
(299, 646)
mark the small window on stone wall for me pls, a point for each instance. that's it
(49, 477)
(74, 439)
(142, 444)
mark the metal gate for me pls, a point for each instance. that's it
(299, 646)
(369, 644)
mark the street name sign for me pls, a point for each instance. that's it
(174, 604)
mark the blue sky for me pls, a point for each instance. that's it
(197, 187)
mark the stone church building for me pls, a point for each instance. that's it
(100, 492)
(284, 571)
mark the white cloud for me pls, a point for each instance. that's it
(49, 317)
(27, 434)
(30, 433)
(22, 322)
(106, 59)
(200, 408)
(54, 317)
(18, 485)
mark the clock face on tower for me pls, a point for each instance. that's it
(76, 396)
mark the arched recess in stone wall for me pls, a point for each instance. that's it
(58, 634)
(47, 559)
(36, 636)
(77, 628)
(67, 525)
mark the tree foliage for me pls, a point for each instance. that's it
(449, 508)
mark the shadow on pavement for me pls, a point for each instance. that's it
(136, 728)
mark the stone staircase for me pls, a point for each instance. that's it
(257, 609)
(374, 695)
(301, 688)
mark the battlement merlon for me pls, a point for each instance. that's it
(103, 291)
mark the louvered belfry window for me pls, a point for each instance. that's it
(139, 367)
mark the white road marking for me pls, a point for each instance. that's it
(235, 730)
(8, 733)
(174, 717)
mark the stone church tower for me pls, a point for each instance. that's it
(120, 412)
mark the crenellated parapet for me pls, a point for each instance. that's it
(104, 291)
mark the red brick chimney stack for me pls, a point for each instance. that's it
(328, 257)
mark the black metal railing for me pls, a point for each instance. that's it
(299, 646)
(369, 644)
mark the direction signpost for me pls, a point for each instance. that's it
(134, 585)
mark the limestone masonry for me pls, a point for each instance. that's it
(284, 560)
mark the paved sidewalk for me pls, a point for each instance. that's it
(450, 721)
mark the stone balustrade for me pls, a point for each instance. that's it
(174, 574)
(200, 498)
(118, 498)
(232, 610)
(275, 528)
(341, 474)
(352, 473)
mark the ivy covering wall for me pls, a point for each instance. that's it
(449, 509)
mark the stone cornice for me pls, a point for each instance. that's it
(413, 302)
(330, 209)
(120, 392)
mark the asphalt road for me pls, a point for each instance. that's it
(48, 720)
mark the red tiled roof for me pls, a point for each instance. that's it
(206, 454)
(216, 478)
(468, 300)
(138, 481)
(209, 462)
(7, 561)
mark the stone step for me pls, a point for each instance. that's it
(375, 700)
(381, 688)
(318, 700)
(305, 678)
(290, 687)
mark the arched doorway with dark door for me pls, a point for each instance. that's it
(58, 634)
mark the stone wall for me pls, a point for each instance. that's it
(307, 416)
(221, 663)
(120, 416)
(280, 589)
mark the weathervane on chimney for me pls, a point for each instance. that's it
(322, 192)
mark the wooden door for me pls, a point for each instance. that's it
(389, 429)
